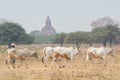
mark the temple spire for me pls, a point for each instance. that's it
(48, 22)
(48, 29)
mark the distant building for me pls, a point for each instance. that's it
(47, 29)
(35, 33)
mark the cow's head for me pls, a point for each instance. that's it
(77, 51)
(109, 51)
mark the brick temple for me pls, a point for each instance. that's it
(47, 29)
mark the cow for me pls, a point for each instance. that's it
(12, 45)
(47, 54)
(20, 54)
(100, 53)
(63, 52)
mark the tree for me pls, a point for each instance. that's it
(88, 38)
(59, 39)
(103, 22)
(78, 38)
(104, 30)
(13, 32)
(35, 33)
(100, 34)
(106, 34)
(44, 39)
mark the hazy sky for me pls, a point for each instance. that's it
(65, 15)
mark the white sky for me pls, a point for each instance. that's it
(65, 15)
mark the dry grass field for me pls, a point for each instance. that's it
(79, 70)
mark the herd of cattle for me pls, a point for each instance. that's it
(56, 54)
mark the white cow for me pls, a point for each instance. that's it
(64, 52)
(47, 54)
(21, 54)
(101, 53)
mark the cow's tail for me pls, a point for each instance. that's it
(42, 59)
(43, 55)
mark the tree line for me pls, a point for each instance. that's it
(13, 32)
(102, 35)
(104, 31)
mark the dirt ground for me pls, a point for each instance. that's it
(77, 70)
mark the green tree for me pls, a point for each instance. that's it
(87, 38)
(43, 39)
(106, 34)
(78, 38)
(13, 32)
(59, 39)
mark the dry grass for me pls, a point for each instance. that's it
(79, 70)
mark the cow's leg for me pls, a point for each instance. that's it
(8, 61)
(105, 62)
(26, 63)
(59, 62)
(45, 59)
(13, 65)
(66, 63)
(52, 64)
(13, 62)
(87, 56)
(103, 59)
(20, 63)
(8, 64)
(64, 60)
(54, 61)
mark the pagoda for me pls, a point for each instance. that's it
(47, 29)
